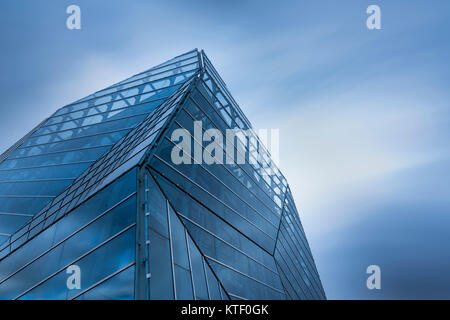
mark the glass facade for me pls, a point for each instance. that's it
(95, 186)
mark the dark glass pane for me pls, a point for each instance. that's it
(161, 281)
(198, 272)
(96, 266)
(119, 287)
(213, 285)
(180, 254)
(183, 283)
(158, 209)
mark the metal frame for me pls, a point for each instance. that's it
(143, 140)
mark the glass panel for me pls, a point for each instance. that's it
(180, 255)
(55, 172)
(161, 282)
(119, 287)
(10, 222)
(211, 221)
(94, 267)
(243, 286)
(183, 283)
(213, 285)
(198, 272)
(158, 209)
(52, 159)
(94, 231)
(39, 188)
(23, 205)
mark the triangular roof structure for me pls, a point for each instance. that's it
(189, 231)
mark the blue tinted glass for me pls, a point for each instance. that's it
(198, 272)
(209, 231)
(161, 282)
(85, 240)
(213, 285)
(244, 286)
(180, 254)
(183, 283)
(205, 219)
(95, 267)
(158, 209)
(119, 287)
(107, 213)
(80, 133)
(39, 188)
(11, 222)
(23, 205)
(55, 172)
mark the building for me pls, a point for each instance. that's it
(93, 207)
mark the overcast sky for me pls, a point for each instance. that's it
(363, 114)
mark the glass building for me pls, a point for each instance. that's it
(95, 186)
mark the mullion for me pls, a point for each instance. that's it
(262, 165)
(313, 282)
(93, 177)
(37, 180)
(76, 138)
(156, 74)
(237, 164)
(49, 165)
(255, 170)
(227, 187)
(292, 275)
(301, 273)
(69, 236)
(207, 208)
(95, 285)
(244, 274)
(89, 125)
(234, 104)
(213, 196)
(145, 126)
(101, 113)
(150, 83)
(308, 255)
(95, 124)
(227, 243)
(141, 73)
(110, 239)
(62, 151)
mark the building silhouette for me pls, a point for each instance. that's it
(93, 207)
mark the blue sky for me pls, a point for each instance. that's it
(363, 115)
